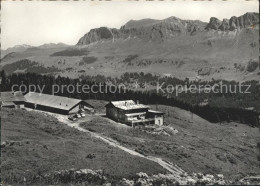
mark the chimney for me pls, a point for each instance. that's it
(137, 102)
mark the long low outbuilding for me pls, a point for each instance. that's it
(55, 104)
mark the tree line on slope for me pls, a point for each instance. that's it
(226, 99)
(210, 113)
(26, 65)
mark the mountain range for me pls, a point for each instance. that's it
(226, 49)
(162, 30)
(24, 47)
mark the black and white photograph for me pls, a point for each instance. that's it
(130, 92)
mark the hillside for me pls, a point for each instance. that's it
(16, 48)
(172, 46)
(197, 146)
(39, 147)
(34, 145)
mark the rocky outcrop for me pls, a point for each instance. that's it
(143, 179)
(244, 21)
(146, 29)
(224, 25)
(161, 30)
(249, 180)
(87, 176)
(97, 34)
(214, 23)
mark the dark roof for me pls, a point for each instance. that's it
(127, 105)
(59, 102)
(11, 96)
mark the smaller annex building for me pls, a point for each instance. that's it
(55, 104)
(12, 99)
(133, 114)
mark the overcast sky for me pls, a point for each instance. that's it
(39, 22)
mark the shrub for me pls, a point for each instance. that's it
(252, 66)
(69, 69)
(129, 58)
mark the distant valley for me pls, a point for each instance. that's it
(226, 49)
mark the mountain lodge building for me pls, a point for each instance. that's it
(133, 114)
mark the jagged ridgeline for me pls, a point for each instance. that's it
(160, 30)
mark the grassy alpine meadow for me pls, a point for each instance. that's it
(35, 144)
(230, 149)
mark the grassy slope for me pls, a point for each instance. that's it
(200, 146)
(42, 145)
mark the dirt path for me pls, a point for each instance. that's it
(173, 169)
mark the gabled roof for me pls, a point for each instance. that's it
(11, 96)
(127, 105)
(58, 102)
(87, 104)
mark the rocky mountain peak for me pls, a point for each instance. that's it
(161, 30)
(138, 23)
(172, 19)
(214, 23)
(244, 21)
(145, 29)
(97, 34)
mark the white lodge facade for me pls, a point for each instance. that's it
(133, 114)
